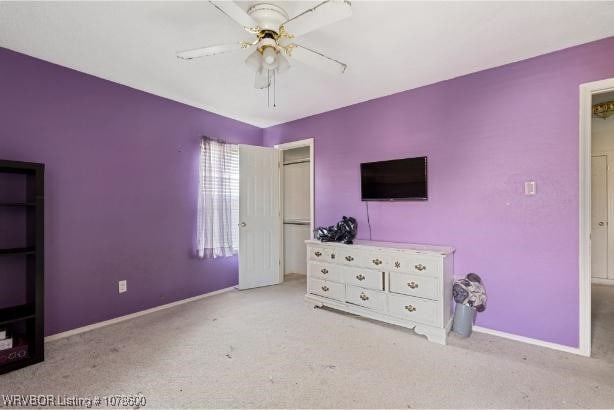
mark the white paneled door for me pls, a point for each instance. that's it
(599, 217)
(259, 217)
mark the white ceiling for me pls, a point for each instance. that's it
(388, 46)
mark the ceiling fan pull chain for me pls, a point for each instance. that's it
(275, 89)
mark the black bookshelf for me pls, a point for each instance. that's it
(24, 322)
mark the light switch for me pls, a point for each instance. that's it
(530, 188)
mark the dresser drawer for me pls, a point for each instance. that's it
(366, 278)
(368, 298)
(322, 254)
(415, 285)
(362, 257)
(325, 271)
(414, 309)
(420, 265)
(327, 289)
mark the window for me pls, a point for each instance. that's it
(218, 199)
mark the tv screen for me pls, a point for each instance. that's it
(398, 179)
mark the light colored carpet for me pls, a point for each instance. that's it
(268, 348)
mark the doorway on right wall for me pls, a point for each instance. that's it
(602, 229)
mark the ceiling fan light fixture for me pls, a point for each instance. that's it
(270, 67)
(282, 64)
(269, 54)
(603, 110)
(254, 60)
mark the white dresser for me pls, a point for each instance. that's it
(403, 284)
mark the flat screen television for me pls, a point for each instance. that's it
(395, 180)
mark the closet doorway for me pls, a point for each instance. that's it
(297, 186)
(596, 324)
(602, 226)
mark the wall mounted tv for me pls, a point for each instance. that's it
(395, 180)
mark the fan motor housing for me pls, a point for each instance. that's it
(266, 42)
(268, 16)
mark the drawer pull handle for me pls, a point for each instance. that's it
(349, 258)
(332, 256)
(363, 296)
(325, 288)
(318, 253)
(412, 285)
(376, 262)
(360, 277)
(324, 271)
(410, 308)
(397, 264)
(420, 267)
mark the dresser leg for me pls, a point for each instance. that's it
(439, 336)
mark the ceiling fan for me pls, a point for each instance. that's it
(275, 33)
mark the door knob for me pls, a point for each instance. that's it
(242, 224)
(601, 224)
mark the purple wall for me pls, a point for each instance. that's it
(485, 134)
(121, 185)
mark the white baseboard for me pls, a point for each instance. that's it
(529, 340)
(132, 315)
(601, 281)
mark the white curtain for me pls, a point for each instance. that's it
(218, 199)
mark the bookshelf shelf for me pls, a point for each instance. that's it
(17, 251)
(17, 204)
(16, 314)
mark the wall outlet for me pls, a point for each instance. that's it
(122, 286)
(530, 188)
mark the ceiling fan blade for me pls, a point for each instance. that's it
(210, 51)
(317, 60)
(327, 12)
(263, 79)
(235, 12)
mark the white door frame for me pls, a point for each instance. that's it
(587, 91)
(309, 142)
